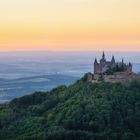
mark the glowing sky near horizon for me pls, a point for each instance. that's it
(70, 25)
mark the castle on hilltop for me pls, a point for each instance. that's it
(112, 71)
(103, 66)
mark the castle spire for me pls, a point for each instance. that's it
(103, 56)
(113, 60)
(122, 61)
(95, 62)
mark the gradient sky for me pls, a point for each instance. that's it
(58, 25)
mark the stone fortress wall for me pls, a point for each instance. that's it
(119, 77)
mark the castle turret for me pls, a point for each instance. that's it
(103, 60)
(130, 64)
(122, 61)
(95, 62)
(113, 60)
(129, 68)
(95, 66)
(103, 56)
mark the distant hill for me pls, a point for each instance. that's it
(12, 88)
(82, 111)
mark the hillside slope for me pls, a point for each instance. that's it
(82, 111)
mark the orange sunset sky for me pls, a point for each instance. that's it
(69, 25)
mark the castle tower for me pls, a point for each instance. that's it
(103, 60)
(112, 64)
(129, 68)
(95, 62)
(103, 56)
(95, 66)
(113, 60)
(122, 61)
(102, 63)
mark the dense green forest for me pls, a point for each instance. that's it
(82, 111)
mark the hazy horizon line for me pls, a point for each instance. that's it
(16, 51)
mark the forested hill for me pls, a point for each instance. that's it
(82, 111)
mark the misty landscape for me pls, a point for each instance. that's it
(26, 72)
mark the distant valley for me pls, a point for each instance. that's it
(12, 88)
(26, 72)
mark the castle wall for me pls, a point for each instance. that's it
(118, 77)
(97, 69)
(89, 77)
(129, 69)
(121, 77)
